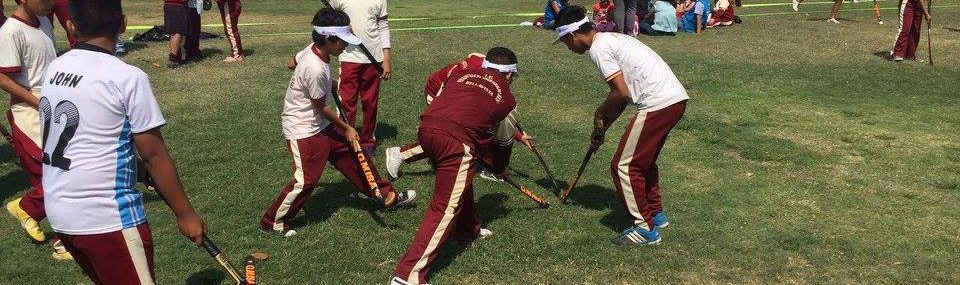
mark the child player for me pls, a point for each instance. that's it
(412, 152)
(97, 113)
(229, 14)
(26, 49)
(912, 13)
(456, 130)
(635, 74)
(314, 131)
(359, 78)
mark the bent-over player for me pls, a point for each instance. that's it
(456, 132)
(412, 152)
(635, 74)
(315, 132)
(97, 113)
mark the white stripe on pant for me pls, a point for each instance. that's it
(623, 167)
(137, 254)
(297, 187)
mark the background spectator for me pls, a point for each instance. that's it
(722, 15)
(601, 16)
(661, 19)
(550, 12)
(695, 20)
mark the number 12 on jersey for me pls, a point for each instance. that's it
(67, 115)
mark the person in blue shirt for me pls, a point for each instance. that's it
(663, 17)
(695, 20)
(550, 12)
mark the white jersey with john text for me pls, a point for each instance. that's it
(91, 105)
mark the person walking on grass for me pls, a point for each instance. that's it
(98, 115)
(637, 75)
(314, 130)
(229, 15)
(912, 14)
(456, 133)
(837, 4)
(26, 49)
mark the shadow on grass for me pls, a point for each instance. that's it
(14, 181)
(330, 197)
(490, 207)
(205, 277)
(593, 196)
(884, 54)
(952, 29)
(385, 131)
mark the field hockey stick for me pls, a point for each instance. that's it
(376, 64)
(929, 45)
(526, 192)
(361, 158)
(543, 163)
(576, 178)
(876, 12)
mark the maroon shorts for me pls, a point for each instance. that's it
(179, 19)
(122, 257)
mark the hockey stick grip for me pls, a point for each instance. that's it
(214, 252)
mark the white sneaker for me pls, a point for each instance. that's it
(393, 161)
(856, 1)
(796, 6)
(405, 199)
(485, 233)
(489, 176)
(398, 281)
(832, 20)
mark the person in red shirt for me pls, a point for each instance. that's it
(60, 10)
(601, 16)
(412, 152)
(456, 134)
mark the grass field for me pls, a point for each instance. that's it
(803, 158)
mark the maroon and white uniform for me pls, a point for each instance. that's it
(313, 141)
(359, 79)
(229, 15)
(26, 49)
(911, 23)
(661, 100)
(413, 152)
(457, 131)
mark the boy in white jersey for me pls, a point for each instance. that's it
(635, 74)
(26, 48)
(97, 114)
(314, 131)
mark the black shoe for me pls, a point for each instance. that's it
(172, 64)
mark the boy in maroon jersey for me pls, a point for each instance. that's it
(456, 131)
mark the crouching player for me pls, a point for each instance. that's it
(314, 131)
(635, 74)
(96, 113)
(456, 130)
(412, 152)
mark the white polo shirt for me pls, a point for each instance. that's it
(364, 16)
(652, 84)
(310, 81)
(26, 48)
(92, 103)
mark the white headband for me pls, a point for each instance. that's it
(342, 32)
(505, 68)
(569, 28)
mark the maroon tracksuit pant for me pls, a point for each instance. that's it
(30, 157)
(911, 22)
(123, 257)
(60, 10)
(452, 210)
(310, 155)
(634, 165)
(229, 14)
(361, 82)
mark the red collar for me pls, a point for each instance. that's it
(316, 51)
(35, 24)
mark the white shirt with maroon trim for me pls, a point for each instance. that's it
(364, 19)
(652, 84)
(92, 105)
(26, 48)
(311, 80)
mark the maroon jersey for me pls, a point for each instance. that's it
(437, 78)
(471, 104)
(175, 2)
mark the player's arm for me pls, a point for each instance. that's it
(17, 91)
(384, 27)
(699, 24)
(161, 167)
(348, 131)
(292, 64)
(611, 108)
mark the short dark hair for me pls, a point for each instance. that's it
(501, 55)
(572, 15)
(96, 18)
(328, 17)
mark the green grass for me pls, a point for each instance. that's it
(803, 158)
